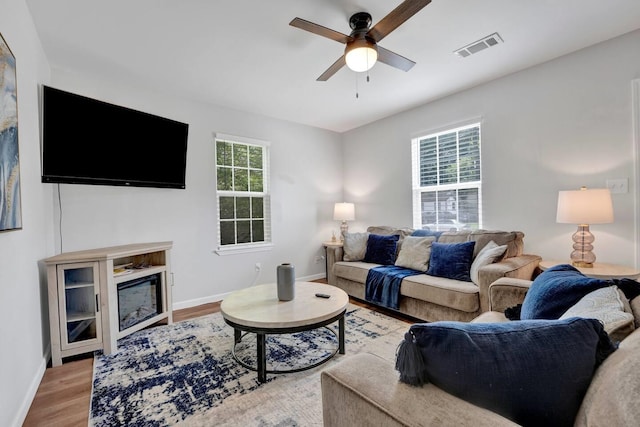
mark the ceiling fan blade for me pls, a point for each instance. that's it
(332, 70)
(320, 30)
(395, 60)
(396, 17)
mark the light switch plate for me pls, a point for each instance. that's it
(618, 186)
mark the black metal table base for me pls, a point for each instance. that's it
(261, 333)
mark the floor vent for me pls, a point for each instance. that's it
(477, 46)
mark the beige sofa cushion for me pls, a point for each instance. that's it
(513, 239)
(635, 308)
(363, 390)
(384, 230)
(491, 317)
(355, 271)
(450, 293)
(612, 397)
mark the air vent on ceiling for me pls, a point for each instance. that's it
(479, 45)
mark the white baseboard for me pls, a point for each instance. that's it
(219, 297)
(21, 415)
(199, 301)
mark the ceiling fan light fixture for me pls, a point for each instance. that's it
(361, 55)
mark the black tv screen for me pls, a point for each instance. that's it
(86, 141)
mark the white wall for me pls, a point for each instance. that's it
(557, 126)
(306, 180)
(22, 297)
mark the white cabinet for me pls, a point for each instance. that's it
(101, 295)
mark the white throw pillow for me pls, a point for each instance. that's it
(415, 253)
(354, 246)
(607, 305)
(488, 255)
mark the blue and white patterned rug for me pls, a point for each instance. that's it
(184, 374)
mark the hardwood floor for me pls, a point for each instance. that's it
(63, 396)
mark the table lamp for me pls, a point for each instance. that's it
(343, 212)
(584, 207)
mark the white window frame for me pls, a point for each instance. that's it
(266, 193)
(417, 189)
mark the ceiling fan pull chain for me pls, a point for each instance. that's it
(357, 96)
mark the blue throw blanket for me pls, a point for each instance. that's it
(383, 285)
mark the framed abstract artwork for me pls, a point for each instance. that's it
(10, 203)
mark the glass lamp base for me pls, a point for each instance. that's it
(582, 264)
(582, 246)
(344, 228)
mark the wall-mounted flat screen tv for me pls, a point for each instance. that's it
(86, 141)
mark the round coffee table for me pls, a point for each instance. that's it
(258, 310)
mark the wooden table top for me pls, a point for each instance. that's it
(259, 306)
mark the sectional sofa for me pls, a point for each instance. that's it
(365, 390)
(432, 298)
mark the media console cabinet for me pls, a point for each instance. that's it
(98, 296)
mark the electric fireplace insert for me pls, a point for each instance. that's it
(139, 300)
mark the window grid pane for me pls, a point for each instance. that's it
(448, 179)
(240, 175)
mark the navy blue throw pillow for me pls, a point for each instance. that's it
(534, 372)
(451, 260)
(556, 290)
(381, 249)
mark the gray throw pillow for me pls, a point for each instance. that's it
(415, 253)
(354, 246)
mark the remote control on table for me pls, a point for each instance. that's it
(323, 295)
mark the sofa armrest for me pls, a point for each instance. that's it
(364, 390)
(507, 292)
(334, 254)
(517, 267)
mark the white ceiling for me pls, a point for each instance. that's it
(243, 54)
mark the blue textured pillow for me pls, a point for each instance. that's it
(534, 372)
(381, 249)
(451, 260)
(427, 233)
(556, 290)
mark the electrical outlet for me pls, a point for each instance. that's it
(318, 259)
(618, 186)
(258, 267)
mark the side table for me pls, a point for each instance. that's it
(599, 270)
(331, 249)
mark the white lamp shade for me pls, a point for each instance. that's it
(585, 206)
(344, 212)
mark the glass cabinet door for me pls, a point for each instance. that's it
(80, 305)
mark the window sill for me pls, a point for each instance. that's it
(233, 250)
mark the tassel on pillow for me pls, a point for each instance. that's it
(409, 362)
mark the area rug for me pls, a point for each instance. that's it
(184, 373)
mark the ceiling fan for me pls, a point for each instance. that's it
(362, 50)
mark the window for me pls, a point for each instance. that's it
(243, 193)
(447, 186)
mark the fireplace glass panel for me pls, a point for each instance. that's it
(139, 300)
